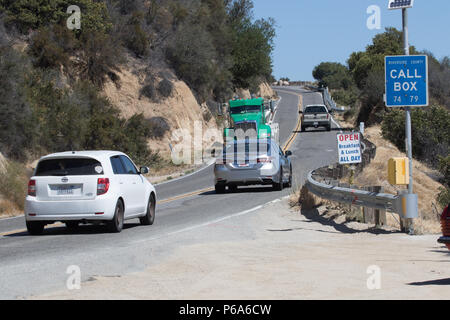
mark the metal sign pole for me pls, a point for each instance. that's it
(408, 115)
(408, 109)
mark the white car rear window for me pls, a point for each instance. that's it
(69, 167)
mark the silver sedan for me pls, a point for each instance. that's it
(252, 162)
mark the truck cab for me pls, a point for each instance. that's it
(248, 118)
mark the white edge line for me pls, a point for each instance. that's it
(337, 124)
(209, 164)
(205, 224)
(10, 218)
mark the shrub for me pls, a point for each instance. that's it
(149, 90)
(138, 42)
(346, 97)
(14, 183)
(444, 168)
(127, 6)
(136, 38)
(165, 88)
(443, 197)
(101, 56)
(207, 115)
(430, 136)
(51, 47)
(17, 125)
(158, 127)
(136, 131)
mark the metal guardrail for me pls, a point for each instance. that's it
(329, 102)
(333, 191)
(354, 196)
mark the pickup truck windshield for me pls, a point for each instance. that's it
(316, 109)
(245, 109)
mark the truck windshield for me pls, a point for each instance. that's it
(245, 109)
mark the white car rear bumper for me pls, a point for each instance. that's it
(101, 208)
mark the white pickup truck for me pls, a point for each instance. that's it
(316, 116)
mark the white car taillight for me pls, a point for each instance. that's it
(32, 188)
(265, 160)
(102, 186)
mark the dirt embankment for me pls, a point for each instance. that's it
(425, 182)
(180, 110)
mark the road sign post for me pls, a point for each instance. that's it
(407, 88)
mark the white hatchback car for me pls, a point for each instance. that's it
(88, 186)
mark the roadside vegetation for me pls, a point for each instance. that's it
(52, 78)
(359, 85)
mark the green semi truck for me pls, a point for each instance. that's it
(250, 118)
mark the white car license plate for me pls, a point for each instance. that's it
(64, 191)
(316, 123)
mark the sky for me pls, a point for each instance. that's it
(312, 31)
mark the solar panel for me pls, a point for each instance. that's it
(400, 4)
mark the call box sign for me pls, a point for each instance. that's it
(406, 81)
(349, 148)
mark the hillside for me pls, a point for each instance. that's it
(133, 73)
(180, 110)
(425, 182)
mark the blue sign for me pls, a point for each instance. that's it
(406, 81)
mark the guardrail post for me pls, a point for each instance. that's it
(380, 215)
(368, 213)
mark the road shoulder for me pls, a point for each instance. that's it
(277, 253)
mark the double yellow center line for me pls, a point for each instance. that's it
(299, 123)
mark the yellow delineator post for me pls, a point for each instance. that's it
(398, 171)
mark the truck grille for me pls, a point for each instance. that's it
(249, 128)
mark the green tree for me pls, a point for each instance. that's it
(252, 49)
(333, 75)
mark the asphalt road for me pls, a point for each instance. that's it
(31, 265)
